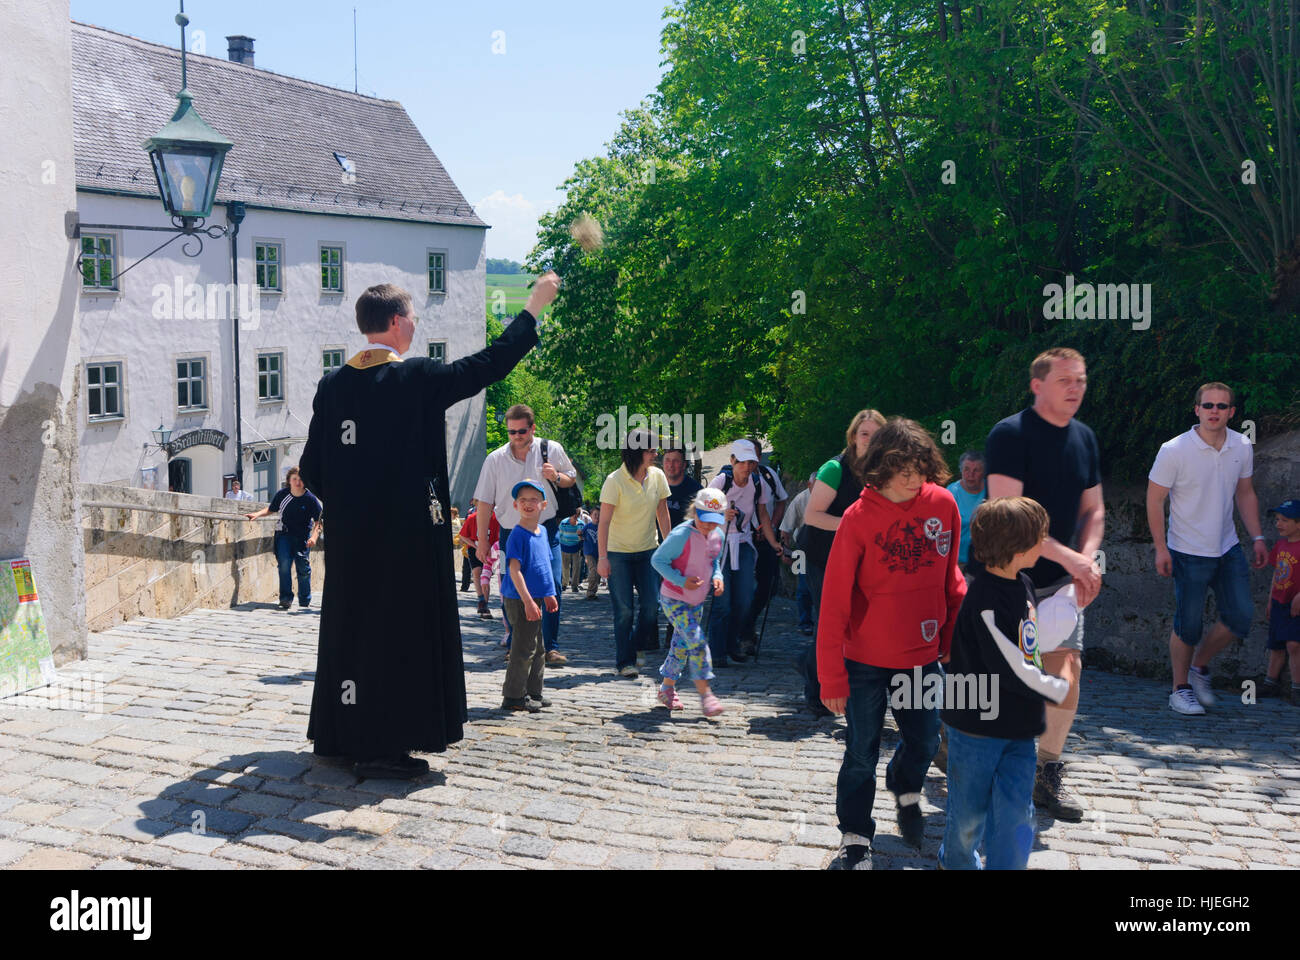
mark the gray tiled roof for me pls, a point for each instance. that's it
(285, 131)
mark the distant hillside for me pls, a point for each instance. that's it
(503, 266)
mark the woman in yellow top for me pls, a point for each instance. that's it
(632, 500)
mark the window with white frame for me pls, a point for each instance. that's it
(331, 269)
(438, 350)
(437, 271)
(98, 262)
(268, 258)
(104, 391)
(331, 360)
(270, 382)
(190, 392)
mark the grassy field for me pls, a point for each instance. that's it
(513, 293)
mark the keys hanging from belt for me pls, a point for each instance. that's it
(435, 507)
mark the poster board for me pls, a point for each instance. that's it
(26, 660)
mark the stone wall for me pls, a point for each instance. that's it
(143, 563)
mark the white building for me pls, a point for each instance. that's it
(341, 192)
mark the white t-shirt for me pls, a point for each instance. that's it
(742, 499)
(1202, 486)
(501, 471)
(793, 518)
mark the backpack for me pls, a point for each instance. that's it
(567, 499)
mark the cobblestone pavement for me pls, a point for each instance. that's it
(203, 720)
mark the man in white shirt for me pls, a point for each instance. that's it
(520, 458)
(1203, 472)
(236, 492)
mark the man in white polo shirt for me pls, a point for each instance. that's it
(1203, 472)
(520, 458)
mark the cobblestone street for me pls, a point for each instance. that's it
(203, 723)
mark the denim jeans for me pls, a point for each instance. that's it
(550, 621)
(629, 571)
(990, 801)
(292, 552)
(803, 600)
(1228, 576)
(918, 729)
(730, 608)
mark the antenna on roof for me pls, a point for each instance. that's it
(354, 49)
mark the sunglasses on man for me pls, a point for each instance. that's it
(1215, 406)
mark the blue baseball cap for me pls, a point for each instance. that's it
(527, 482)
(1289, 509)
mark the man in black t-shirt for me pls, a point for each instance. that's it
(682, 487)
(1043, 453)
(295, 535)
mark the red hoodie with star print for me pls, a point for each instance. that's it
(892, 588)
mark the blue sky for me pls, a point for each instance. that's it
(508, 126)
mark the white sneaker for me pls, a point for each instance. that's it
(1184, 701)
(1201, 686)
(630, 672)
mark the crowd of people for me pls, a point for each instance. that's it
(958, 603)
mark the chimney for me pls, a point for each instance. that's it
(240, 50)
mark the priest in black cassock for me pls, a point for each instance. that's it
(390, 678)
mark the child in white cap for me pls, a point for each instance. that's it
(690, 562)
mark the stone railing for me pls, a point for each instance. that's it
(164, 554)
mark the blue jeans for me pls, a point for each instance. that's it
(550, 621)
(803, 600)
(292, 552)
(1228, 576)
(628, 571)
(729, 609)
(918, 729)
(990, 801)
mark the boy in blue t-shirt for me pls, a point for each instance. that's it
(590, 550)
(528, 569)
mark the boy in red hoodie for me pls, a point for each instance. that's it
(889, 603)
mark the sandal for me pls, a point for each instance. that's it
(710, 705)
(668, 697)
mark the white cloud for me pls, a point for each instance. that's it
(514, 224)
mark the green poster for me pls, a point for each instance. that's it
(26, 660)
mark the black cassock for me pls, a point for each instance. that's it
(390, 676)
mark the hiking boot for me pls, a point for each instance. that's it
(855, 852)
(1184, 701)
(911, 823)
(555, 659)
(1052, 797)
(520, 703)
(1201, 686)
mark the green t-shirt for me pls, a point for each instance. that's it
(830, 474)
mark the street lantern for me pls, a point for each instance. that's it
(187, 154)
(161, 435)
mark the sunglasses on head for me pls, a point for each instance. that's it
(1215, 406)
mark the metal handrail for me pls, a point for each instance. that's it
(203, 514)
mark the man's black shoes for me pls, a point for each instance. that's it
(401, 767)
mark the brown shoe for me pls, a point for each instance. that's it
(555, 659)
